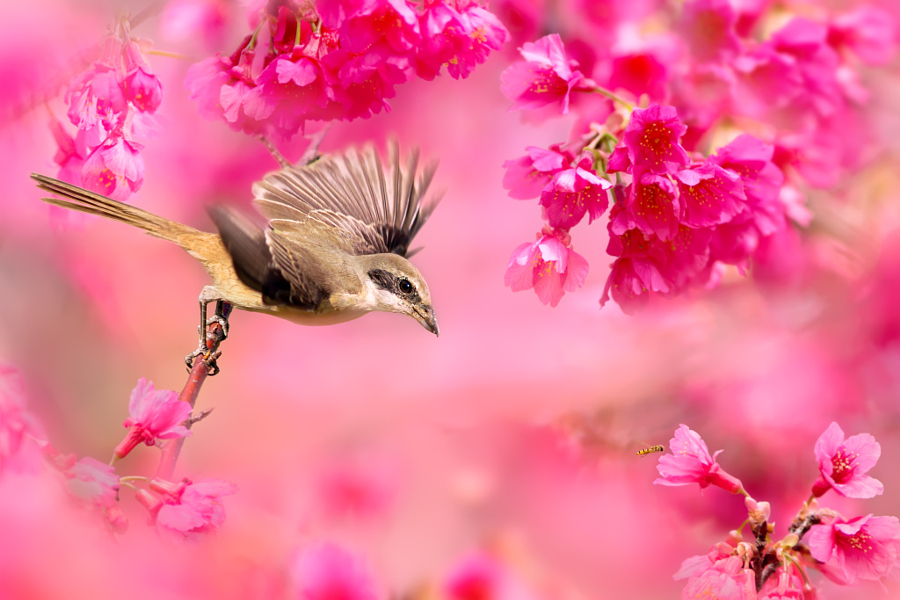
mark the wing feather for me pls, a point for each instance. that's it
(378, 209)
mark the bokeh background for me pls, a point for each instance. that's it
(513, 435)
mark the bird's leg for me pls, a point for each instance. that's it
(219, 318)
(210, 340)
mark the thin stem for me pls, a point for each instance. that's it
(615, 98)
(129, 485)
(167, 54)
(312, 151)
(278, 156)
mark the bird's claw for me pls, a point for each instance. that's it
(223, 323)
(209, 358)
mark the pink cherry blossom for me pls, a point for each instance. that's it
(710, 194)
(115, 168)
(651, 205)
(843, 464)
(805, 42)
(727, 579)
(766, 81)
(639, 73)
(708, 28)
(142, 88)
(784, 585)
(637, 272)
(652, 139)
(867, 31)
(204, 81)
(93, 482)
(862, 548)
(97, 95)
(484, 33)
(326, 571)
(690, 462)
(526, 177)
(544, 77)
(392, 21)
(153, 414)
(574, 191)
(751, 159)
(67, 156)
(548, 265)
(191, 510)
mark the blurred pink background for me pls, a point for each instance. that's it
(514, 433)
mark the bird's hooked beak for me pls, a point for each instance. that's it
(425, 316)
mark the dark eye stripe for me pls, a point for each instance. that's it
(399, 286)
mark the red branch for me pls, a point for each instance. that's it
(200, 370)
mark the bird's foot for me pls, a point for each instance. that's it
(223, 323)
(208, 356)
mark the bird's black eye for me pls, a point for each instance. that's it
(405, 286)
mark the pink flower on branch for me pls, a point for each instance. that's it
(459, 40)
(726, 579)
(690, 462)
(94, 482)
(651, 205)
(652, 139)
(526, 177)
(861, 548)
(709, 194)
(549, 265)
(544, 77)
(153, 415)
(142, 88)
(843, 464)
(574, 191)
(189, 510)
(115, 168)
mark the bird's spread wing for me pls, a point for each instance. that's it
(372, 209)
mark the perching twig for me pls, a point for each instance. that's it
(200, 370)
(312, 151)
(278, 156)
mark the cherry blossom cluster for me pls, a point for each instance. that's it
(705, 138)
(845, 550)
(111, 104)
(337, 59)
(181, 509)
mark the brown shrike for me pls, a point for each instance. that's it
(334, 248)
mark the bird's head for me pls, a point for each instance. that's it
(397, 286)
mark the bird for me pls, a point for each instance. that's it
(331, 242)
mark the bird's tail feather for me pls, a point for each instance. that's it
(80, 199)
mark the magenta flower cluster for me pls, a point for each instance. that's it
(338, 59)
(111, 104)
(706, 139)
(183, 509)
(845, 550)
